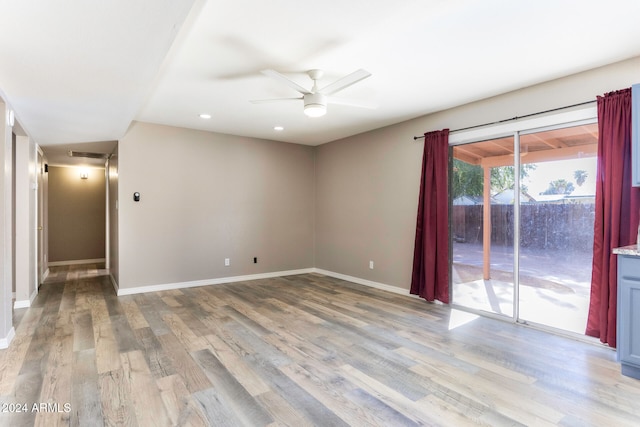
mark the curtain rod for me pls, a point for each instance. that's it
(515, 118)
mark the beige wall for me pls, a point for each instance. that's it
(206, 197)
(367, 190)
(6, 233)
(25, 219)
(367, 185)
(76, 214)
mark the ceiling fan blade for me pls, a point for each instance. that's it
(351, 103)
(286, 80)
(268, 101)
(345, 82)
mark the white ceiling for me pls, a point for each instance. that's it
(79, 71)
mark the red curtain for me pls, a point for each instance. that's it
(616, 211)
(430, 277)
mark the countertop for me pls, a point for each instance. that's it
(627, 250)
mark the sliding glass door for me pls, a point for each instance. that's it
(556, 226)
(522, 225)
(482, 227)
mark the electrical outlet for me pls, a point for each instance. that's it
(371, 265)
(255, 259)
(227, 262)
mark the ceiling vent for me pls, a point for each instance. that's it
(88, 155)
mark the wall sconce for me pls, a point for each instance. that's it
(11, 118)
(84, 174)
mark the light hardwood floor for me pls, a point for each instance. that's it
(301, 350)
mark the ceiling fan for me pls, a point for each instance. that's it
(316, 99)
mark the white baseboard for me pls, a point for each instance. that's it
(4, 342)
(76, 262)
(114, 282)
(26, 303)
(206, 282)
(45, 275)
(365, 282)
(22, 304)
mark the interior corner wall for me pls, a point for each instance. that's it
(76, 214)
(367, 185)
(205, 197)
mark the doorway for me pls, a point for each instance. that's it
(41, 218)
(522, 225)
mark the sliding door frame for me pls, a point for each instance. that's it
(515, 129)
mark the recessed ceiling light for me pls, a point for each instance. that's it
(278, 128)
(205, 116)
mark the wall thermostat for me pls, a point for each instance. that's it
(136, 197)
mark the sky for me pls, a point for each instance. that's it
(546, 172)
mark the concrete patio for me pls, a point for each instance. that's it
(554, 285)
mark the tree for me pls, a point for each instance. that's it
(468, 179)
(504, 177)
(580, 177)
(560, 186)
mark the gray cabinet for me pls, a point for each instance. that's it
(628, 335)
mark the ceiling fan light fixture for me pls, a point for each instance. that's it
(315, 110)
(315, 105)
(316, 99)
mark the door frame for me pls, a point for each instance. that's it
(515, 128)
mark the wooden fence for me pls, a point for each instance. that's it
(542, 226)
